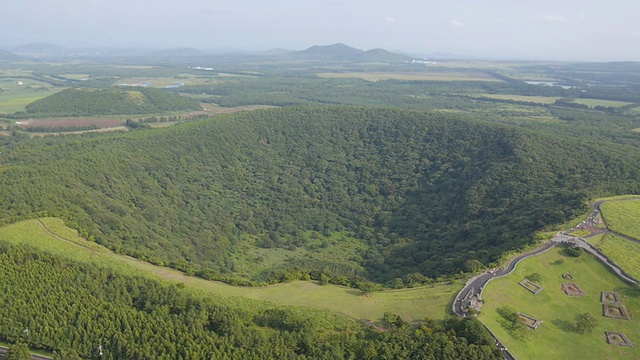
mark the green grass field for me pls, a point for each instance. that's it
(533, 99)
(555, 338)
(14, 97)
(623, 252)
(623, 217)
(597, 102)
(412, 304)
(434, 76)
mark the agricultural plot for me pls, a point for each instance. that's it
(523, 98)
(623, 217)
(597, 102)
(557, 339)
(412, 304)
(423, 76)
(15, 93)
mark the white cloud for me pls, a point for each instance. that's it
(457, 23)
(553, 18)
(390, 19)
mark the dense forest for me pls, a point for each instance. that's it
(423, 194)
(107, 101)
(54, 303)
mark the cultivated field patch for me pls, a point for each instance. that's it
(523, 98)
(597, 102)
(70, 122)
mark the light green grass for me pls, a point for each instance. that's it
(412, 304)
(424, 76)
(594, 240)
(533, 99)
(580, 233)
(624, 253)
(597, 102)
(14, 97)
(623, 217)
(555, 339)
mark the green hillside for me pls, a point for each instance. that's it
(349, 193)
(108, 101)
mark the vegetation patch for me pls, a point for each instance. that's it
(616, 311)
(430, 76)
(623, 252)
(617, 338)
(531, 286)
(572, 289)
(610, 297)
(592, 103)
(622, 217)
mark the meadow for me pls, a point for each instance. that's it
(598, 102)
(523, 98)
(14, 97)
(556, 337)
(422, 76)
(414, 304)
(622, 217)
(623, 252)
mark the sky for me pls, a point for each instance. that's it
(582, 30)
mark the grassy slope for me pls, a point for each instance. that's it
(622, 217)
(411, 304)
(555, 339)
(623, 252)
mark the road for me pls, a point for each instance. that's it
(3, 351)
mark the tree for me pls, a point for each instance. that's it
(18, 351)
(66, 355)
(585, 323)
(473, 265)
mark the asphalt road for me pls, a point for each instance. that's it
(3, 351)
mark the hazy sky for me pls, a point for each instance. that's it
(540, 29)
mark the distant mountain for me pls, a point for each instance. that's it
(7, 56)
(39, 49)
(179, 52)
(342, 52)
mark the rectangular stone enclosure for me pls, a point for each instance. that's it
(531, 286)
(616, 311)
(617, 338)
(609, 297)
(572, 289)
(529, 320)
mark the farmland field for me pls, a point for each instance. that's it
(412, 304)
(623, 252)
(598, 102)
(424, 76)
(622, 217)
(64, 122)
(555, 338)
(534, 99)
(14, 97)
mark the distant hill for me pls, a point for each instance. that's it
(342, 52)
(39, 49)
(7, 56)
(108, 101)
(179, 52)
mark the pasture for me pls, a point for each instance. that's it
(597, 102)
(523, 98)
(421, 76)
(622, 217)
(556, 337)
(415, 304)
(14, 96)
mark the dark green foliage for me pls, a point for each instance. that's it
(107, 101)
(423, 192)
(585, 323)
(573, 251)
(77, 307)
(18, 351)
